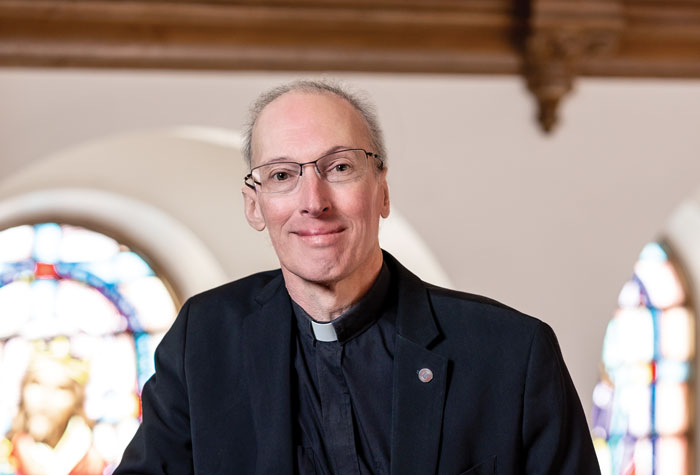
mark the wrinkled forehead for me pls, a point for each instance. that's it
(304, 125)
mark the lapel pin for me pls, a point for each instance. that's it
(425, 375)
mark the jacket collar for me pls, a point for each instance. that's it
(415, 317)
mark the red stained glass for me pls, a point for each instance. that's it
(45, 271)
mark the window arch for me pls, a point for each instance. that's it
(80, 317)
(642, 405)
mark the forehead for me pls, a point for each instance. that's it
(302, 125)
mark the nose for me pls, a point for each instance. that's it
(314, 193)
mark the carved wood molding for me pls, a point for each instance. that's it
(562, 33)
(549, 42)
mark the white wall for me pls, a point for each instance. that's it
(174, 195)
(550, 225)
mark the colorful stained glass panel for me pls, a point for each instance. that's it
(80, 316)
(642, 406)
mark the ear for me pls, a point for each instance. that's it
(252, 209)
(386, 208)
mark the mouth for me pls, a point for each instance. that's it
(320, 237)
(313, 232)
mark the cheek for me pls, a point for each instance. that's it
(275, 213)
(365, 216)
(370, 207)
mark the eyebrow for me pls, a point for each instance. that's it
(335, 148)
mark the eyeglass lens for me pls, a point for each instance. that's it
(335, 167)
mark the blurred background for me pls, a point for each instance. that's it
(541, 153)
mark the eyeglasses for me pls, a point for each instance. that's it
(336, 167)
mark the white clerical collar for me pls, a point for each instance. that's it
(324, 331)
(354, 321)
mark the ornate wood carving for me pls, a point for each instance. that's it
(550, 42)
(562, 34)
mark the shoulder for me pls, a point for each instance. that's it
(214, 318)
(477, 309)
(239, 296)
(465, 317)
(470, 319)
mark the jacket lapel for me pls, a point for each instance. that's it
(417, 403)
(268, 337)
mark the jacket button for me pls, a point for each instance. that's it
(425, 375)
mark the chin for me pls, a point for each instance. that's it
(318, 272)
(320, 276)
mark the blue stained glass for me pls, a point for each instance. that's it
(47, 241)
(655, 315)
(672, 371)
(123, 267)
(144, 354)
(653, 252)
(9, 272)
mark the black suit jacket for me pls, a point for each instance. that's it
(501, 399)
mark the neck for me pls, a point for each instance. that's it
(325, 301)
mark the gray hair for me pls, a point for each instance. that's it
(358, 101)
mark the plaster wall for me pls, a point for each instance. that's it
(551, 225)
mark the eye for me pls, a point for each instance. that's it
(340, 167)
(280, 176)
(280, 172)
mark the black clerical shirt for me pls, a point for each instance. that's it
(344, 386)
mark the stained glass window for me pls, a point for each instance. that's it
(80, 317)
(642, 405)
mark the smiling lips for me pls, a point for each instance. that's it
(313, 232)
(319, 236)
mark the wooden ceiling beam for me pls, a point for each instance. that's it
(451, 37)
(549, 42)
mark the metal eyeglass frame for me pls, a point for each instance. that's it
(249, 176)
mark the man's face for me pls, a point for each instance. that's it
(322, 232)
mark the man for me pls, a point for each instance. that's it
(343, 362)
